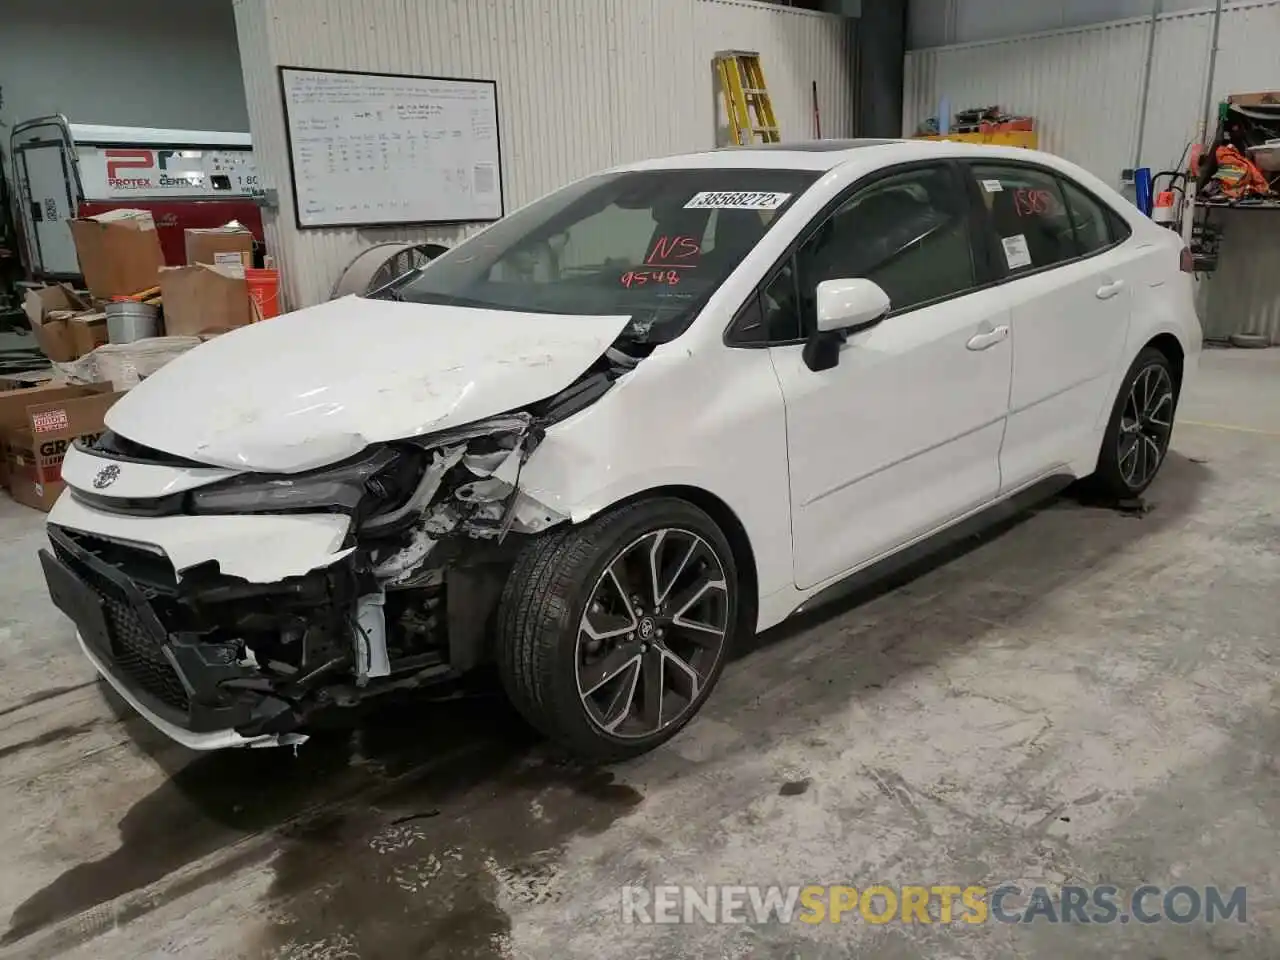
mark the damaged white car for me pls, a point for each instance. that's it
(654, 411)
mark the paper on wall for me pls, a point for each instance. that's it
(1016, 252)
(737, 200)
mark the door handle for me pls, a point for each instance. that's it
(1109, 290)
(988, 338)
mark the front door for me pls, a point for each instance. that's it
(903, 434)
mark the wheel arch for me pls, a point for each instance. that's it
(735, 532)
(1171, 347)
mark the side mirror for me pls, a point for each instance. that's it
(843, 307)
(850, 305)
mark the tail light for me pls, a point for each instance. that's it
(1186, 262)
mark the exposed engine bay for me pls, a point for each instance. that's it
(435, 525)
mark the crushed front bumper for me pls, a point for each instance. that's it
(176, 680)
(211, 740)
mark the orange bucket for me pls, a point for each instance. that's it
(264, 288)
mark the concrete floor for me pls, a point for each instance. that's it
(1085, 697)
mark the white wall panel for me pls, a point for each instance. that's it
(1084, 88)
(1243, 295)
(933, 23)
(582, 84)
(797, 49)
(1076, 84)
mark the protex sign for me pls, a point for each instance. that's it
(112, 173)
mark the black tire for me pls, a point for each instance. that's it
(1119, 480)
(541, 615)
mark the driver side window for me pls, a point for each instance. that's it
(909, 232)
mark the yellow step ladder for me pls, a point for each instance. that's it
(746, 99)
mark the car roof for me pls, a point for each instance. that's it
(823, 155)
(857, 158)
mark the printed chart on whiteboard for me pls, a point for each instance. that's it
(369, 149)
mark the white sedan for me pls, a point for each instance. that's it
(602, 440)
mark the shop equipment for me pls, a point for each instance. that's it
(746, 99)
(1167, 207)
(1143, 191)
(376, 266)
(186, 178)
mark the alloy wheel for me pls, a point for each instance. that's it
(1146, 423)
(651, 635)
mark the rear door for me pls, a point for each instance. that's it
(1069, 287)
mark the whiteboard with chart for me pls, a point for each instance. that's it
(369, 149)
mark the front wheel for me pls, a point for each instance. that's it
(611, 635)
(1137, 437)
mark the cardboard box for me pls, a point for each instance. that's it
(230, 246)
(88, 331)
(16, 404)
(35, 450)
(64, 325)
(202, 298)
(119, 252)
(22, 381)
(1267, 98)
(47, 309)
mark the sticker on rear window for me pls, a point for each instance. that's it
(49, 420)
(992, 186)
(736, 200)
(1016, 252)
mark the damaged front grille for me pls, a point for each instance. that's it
(139, 656)
(135, 651)
(111, 445)
(166, 506)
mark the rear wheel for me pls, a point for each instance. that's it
(1137, 436)
(611, 635)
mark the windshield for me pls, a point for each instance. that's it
(652, 245)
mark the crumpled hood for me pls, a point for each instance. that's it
(318, 385)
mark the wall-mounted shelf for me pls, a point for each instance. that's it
(1253, 205)
(998, 138)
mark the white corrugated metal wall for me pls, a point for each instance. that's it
(1084, 88)
(582, 84)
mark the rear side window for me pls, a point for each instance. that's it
(1120, 229)
(1029, 214)
(1088, 219)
